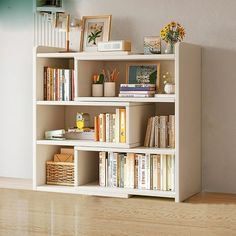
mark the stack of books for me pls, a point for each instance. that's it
(137, 90)
(110, 127)
(160, 132)
(58, 84)
(140, 171)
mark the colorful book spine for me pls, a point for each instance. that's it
(122, 125)
(137, 89)
(137, 85)
(45, 83)
(96, 128)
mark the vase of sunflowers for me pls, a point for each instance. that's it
(171, 34)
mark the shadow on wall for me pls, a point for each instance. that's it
(219, 119)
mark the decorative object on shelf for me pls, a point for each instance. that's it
(171, 34)
(110, 79)
(143, 73)
(118, 45)
(94, 30)
(65, 22)
(169, 85)
(82, 121)
(55, 134)
(152, 45)
(97, 86)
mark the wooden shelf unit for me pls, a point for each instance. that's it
(185, 64)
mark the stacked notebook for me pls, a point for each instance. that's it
(137, 90)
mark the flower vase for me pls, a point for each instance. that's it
(170, 48)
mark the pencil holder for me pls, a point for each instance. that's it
(109, 89)
(97, 90)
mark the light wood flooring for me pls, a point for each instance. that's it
(26, 212)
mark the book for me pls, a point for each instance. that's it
(102, 127)
(136, 171)
(163, 132)
(107, 127)
(137, 85)
(137, 89)
(122, 162)
(148, 133)
(117, 126)
(156, 132)
(152, 136)
(96, 128)
(137, 92)
(136, 95)
(122, 125)
(130, 170)
(147, 171)
(102, 169)
(171, 131)
(170, 165)
(163, 173)
(141, 172)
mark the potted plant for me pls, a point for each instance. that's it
(97, 86)
(171, 34)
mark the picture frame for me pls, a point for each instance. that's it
(94, 29)
(152, 45)
(143, 73)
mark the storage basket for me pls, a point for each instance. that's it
(60, 173)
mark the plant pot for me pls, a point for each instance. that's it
(109, 89)
(97, 90)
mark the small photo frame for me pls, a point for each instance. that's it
(152, 45)
(94, 30)
(143, 73)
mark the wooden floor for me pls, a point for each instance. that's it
(26, 212)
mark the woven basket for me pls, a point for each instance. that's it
(60, 173)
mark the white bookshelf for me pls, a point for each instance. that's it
(185, 64)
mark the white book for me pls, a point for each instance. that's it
(147, 172)
(107, 127)
(141, 172)
(154, 172)
(113, 128)
(67, 85)
(130, 169)
(163, 173)
(102, 169)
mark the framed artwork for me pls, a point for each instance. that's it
(94, 29)
(152, 45)
(143, 73)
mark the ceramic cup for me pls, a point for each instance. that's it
(97, 90)
(109, 89)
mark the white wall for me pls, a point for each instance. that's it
(208, 23)
(16, 42)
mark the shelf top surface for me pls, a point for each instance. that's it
(106, 56)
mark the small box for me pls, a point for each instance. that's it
(67, 150)
(119, 45)
(63, 157)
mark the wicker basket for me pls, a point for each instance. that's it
(60, 173)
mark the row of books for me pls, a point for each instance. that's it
(110, 127)
(160, 132)
(137, 90)
(139, 171)
(58, 84)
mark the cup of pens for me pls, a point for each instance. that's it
(97, 86)
(110, 79)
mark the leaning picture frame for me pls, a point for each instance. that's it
(143, 73)
(94, 30)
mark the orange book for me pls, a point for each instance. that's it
(96, 128)
(122, 120)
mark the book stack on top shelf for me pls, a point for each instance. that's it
(137, 90)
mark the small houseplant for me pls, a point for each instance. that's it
(171, 34)
(97, 86)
